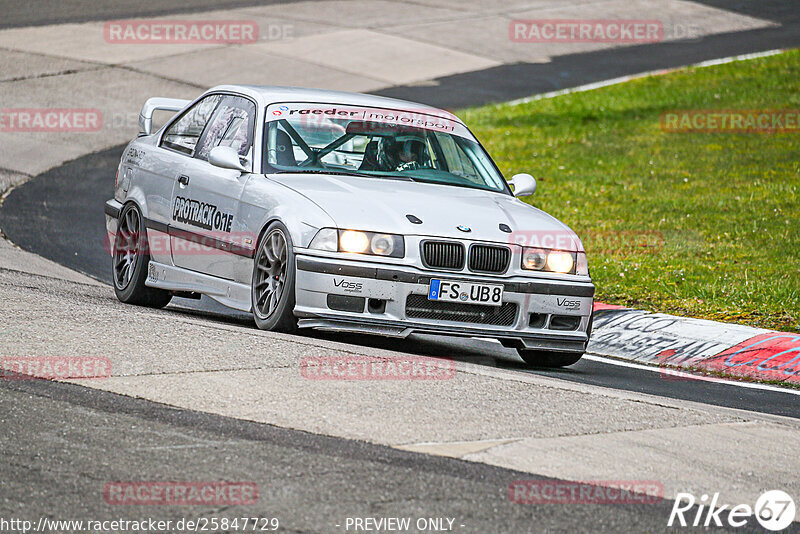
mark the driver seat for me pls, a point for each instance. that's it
(370, 161)
(284, 150)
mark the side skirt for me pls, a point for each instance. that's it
(231, 294)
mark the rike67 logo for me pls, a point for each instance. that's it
(774, 510)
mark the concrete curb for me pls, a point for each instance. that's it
(673, 342)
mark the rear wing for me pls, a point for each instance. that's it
(157, 104)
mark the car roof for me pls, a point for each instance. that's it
(268, 94)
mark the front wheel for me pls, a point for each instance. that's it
(130, 261)
(539, 358)
(272, 289)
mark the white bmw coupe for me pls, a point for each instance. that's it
(340, 211)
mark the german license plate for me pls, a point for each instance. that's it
(466, 292)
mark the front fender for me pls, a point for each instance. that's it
(264, 201)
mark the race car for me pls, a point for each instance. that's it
(343, 212)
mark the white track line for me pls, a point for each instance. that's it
(623, 79)
(674, 373)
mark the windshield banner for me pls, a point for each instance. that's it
(311, 114)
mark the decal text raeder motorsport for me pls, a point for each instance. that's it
(201, 215)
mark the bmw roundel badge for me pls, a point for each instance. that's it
(464, 228)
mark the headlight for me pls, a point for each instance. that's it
(556, 261)
(358, 242)
(560, 262)
(382, 244)
(534, 259)
(353, 241)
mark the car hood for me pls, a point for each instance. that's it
(382, 205)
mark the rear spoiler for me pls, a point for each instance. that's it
(160, 104)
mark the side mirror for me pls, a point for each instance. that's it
(226, 158)
(524, 185)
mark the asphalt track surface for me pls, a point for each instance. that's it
(59, 215)
(497, 84)
(43, 12)
(520, 80)
(310, 483)
(83, 438)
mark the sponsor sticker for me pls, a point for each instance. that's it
(348, 286)
(201, 214)
(373, 119)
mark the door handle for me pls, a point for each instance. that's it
(183, 179)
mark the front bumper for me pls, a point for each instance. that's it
(377, 300)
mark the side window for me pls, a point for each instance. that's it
(232, 125)
(185, 132)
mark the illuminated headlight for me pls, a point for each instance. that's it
(555, 261)
(358, 242)
(354, 242)
(559, 261)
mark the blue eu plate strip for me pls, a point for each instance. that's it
(433, 292)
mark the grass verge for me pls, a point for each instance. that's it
(695, 224)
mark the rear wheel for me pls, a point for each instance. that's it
(130, 262)
(272, 290)
(540, 358)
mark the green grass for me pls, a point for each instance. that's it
(696, 224)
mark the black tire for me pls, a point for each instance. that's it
(272, 288)
(540, 358)
(130, 261)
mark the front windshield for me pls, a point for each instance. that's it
(375, 143)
